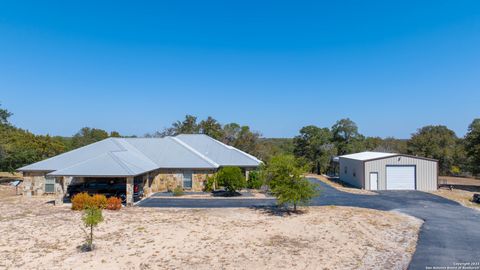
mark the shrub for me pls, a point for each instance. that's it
(231, 178)
(210, 184)
(178, 191)
(80, 201)
(114, 203)
(455, 170)
(284, 176)
(98, 201)
(254, 180)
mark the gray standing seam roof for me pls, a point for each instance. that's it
(135, 156)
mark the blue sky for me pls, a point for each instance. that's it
(135, 67)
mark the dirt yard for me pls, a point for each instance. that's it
(38, 235)
(463, 197)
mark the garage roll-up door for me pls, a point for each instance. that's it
(401, 177)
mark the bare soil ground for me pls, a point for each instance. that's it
(464, 197)
(458, 181)
(341, 186)
(37, 235)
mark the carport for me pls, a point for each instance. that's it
(62, 183)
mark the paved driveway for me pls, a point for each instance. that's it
(450, 233)
(161, 201)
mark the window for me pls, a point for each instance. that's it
(345, 170)
(354, 173)
(49, 185)
(187, 180)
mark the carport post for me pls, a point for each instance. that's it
(129, 191)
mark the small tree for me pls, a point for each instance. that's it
(231, 178)
(91, 218)
(284, 176)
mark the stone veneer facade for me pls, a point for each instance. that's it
(167, 180)
(160, 181)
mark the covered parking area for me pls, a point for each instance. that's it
(126, 188)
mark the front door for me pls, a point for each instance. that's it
(373, 181)
(187, 180)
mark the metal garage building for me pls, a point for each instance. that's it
(389, 171)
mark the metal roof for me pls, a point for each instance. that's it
(134, 156)
(368, 155)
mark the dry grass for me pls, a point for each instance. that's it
(38, 235)
(461, 196)
(341, 186)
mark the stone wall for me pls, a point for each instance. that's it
(33, 183)
(167, 180)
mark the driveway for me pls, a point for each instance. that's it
(450, 233)
(165, 201)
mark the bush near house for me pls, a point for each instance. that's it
(114, 203)
(210, 183)
(83, 200)
(80, 201)
(255, 180)
(231, 178)
(99, 201)
(178, 191)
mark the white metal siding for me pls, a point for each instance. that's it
(354, 175)
(426, 171)
(401, 177)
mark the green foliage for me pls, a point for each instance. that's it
(315, 145)
(436, 142)
(232, 134)
(455, 170)
(211, 127)
(115, 134)
(255, 180)
(19, 147)
(88, 136)
(92, 216)
(4, 115)
(187, 126)
(231, 178)
(210, 183)
(295, 191)
(178, 191)
(472, 146)
(282, 167)
(346, 137)
(284, 175)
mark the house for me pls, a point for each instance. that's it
(158, 164)
(389, 171)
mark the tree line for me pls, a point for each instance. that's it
(456, 156)
(314, 146)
